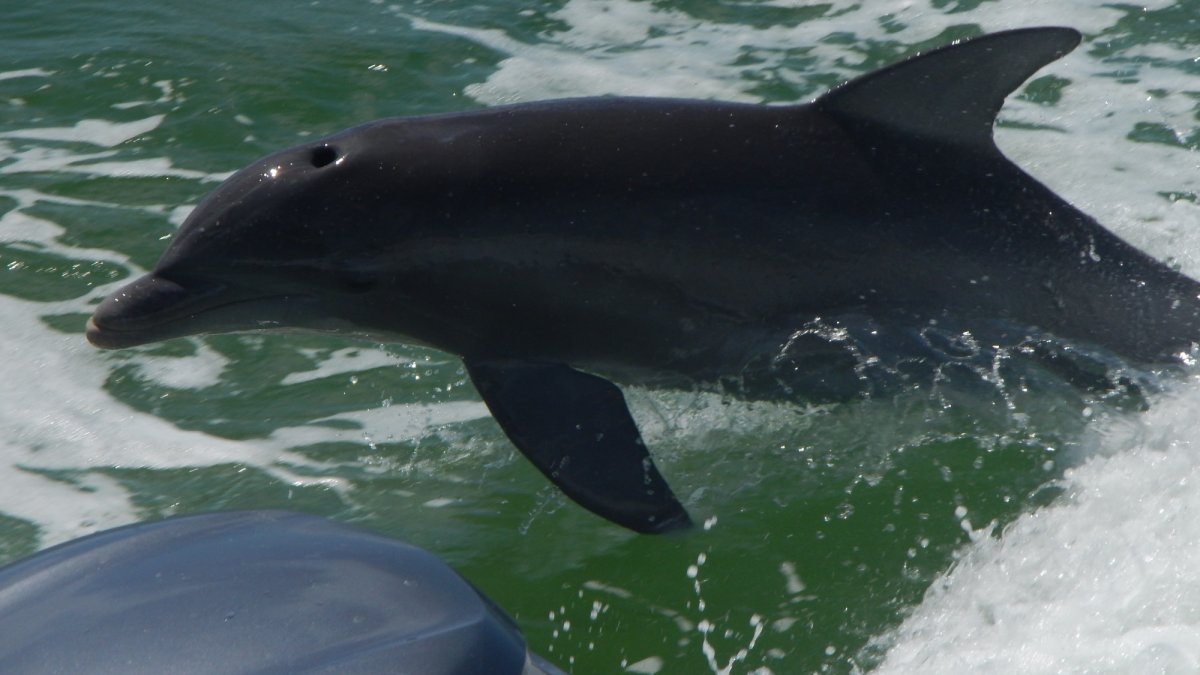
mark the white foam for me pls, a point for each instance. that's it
(203, 368)
(341, 361)
(26, 72)
(19, 228)
(1093, 165)
(1103, 581)
(635, 48)
(646, 666)
(39, 159)
(57, 417)
(95, 132)
(386, 423)
(608, 49)
(168, 95)
(145, 168)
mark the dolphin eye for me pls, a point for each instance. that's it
(323, 155)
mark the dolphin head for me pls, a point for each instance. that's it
(281, 244)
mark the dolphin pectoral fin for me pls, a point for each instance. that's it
(576, 430)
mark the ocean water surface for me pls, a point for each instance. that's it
(1005, 530)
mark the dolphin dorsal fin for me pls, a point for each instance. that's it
(953, 93)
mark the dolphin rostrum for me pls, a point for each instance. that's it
(561, 245)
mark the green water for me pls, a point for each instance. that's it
(824, 525)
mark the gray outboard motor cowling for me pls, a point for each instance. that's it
(250, 592)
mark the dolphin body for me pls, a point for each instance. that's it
(663, 242)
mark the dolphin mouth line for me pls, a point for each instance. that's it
(173, 322)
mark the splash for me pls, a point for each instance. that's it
(1103, 580)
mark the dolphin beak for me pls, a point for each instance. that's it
(147, 310)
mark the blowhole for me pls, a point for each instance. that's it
(324, 155)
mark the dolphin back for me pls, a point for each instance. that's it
(1004, 244)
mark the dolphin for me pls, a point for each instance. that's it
(558, 247)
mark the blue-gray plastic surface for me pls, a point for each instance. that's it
(249, 592)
